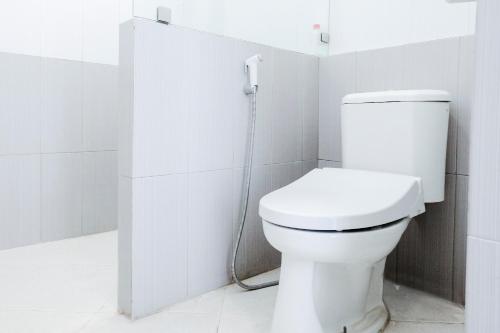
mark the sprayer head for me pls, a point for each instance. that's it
(251, 68)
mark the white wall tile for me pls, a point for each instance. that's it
(434, 65)
(380, 69)
(100, 107)
(309, 105)
(125, 219)
(210, 230)
(100, 31)
(160, 120)
(466, 80)
(210, 123)
(100, 187)
(483, 286)
(125, 102)
(484, 188)
(19, 200)
(20, 111)
(159, 242)
(329, 164)
(336, 79)
(62, 29)
(61, 105)
(284, 174)
(20, 27)
(241, 105)
(257, 255)
(309, 166)
(61, 196)
(287, 119)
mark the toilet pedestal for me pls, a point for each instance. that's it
(326, 297)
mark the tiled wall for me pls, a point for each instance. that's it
(483, 257)
(431, 255)
(183, 142)
(359, 25)
(58, 143)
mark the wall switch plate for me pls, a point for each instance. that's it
(164, 15)
(325, 37)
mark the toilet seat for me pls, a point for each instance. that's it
(334, 199)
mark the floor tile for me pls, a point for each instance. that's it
(398, 327)
(158, 323)
(406, 304)
(31, 321)
(69, 286)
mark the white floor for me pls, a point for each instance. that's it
(70, 286)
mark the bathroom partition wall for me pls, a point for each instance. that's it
(183, 142)
(431, 254)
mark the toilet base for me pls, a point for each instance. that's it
(325, 298)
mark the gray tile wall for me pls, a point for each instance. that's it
(483, 251)
(183, 150)
(58, 142)
(431, 255)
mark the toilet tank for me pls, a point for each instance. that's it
(401, 132)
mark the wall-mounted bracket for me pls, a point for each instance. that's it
(325, 37)
(163, 15)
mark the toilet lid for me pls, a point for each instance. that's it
(343, 199)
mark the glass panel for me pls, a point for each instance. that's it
(289, 24)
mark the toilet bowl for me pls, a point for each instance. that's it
(334, 228)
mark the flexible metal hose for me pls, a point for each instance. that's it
(246, 193)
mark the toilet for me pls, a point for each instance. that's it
(335, 227)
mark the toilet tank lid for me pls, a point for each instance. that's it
(397, 96)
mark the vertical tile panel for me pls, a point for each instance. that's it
(336, 79)
(287, 121)
(434, 65)
(19, 200)
(125, 102)
(483, 286)
(483, 257)
(20, 96)
(309, 166)
(160, 100)
(460, 240)
(100, 185)
(309, 105)
(242, 104)
(425, 254)
(159, 271)
(329, 164)
(125, 192)
(61, 196)
(210, 230)
(210, 123)
(100, 109)
(484, 185)
(381, 69)
(255, 247)
(465, 101)
(61, 105)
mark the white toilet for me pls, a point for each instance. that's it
(335, 227)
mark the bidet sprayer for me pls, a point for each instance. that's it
(252, 68)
